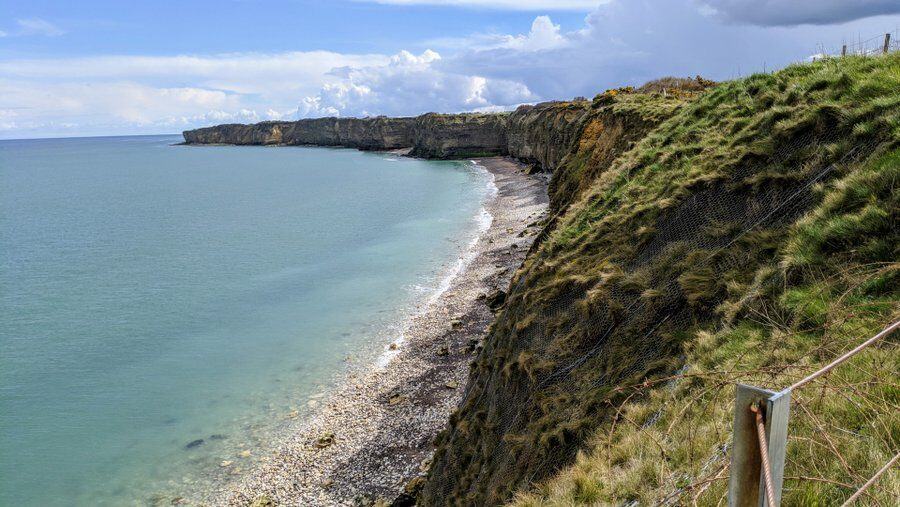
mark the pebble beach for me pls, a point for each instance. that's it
(372, 434)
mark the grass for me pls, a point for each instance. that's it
(820, 297)
(748, 232)
(617, 119)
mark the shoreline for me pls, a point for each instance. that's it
(373, 432)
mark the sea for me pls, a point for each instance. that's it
(169, 312)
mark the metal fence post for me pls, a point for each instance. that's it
(778, 409)
(746, 486)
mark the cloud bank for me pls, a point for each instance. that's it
(797, 12)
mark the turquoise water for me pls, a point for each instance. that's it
(154, 295)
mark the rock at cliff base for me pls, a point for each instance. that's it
(496, 299)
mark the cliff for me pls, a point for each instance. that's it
(544, 133)
(538, 135)
(379, 133)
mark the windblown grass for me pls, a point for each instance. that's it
(834, 284)
(748, 236)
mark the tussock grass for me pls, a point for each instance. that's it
(668, 440)
(671, 84)
(748, 234)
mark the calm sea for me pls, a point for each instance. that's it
(167, 308)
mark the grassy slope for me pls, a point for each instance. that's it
(615, 122)
(696, 247)
(835, 285)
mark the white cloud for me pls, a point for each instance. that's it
(408, 85)
(131, 94)
(543, 35)
(518, 5)
(37, 26)
(241, 72)
(796, 12)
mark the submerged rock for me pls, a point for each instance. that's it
(194, 443)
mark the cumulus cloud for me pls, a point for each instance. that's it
(410, 84)
(519, 5)
(543, 35)
(796, 12)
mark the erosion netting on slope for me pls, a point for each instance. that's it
(674, 228)
(834, 284)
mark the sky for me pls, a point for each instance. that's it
(96, 67)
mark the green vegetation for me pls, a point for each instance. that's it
(836, 284)
(617, 119)
(750, 235)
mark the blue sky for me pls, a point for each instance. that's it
(105, 68)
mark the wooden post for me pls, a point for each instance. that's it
(887, 42)
(844, 50)
(746, 486)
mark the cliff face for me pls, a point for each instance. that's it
(539, 135)
(610, 127)
(459, 135)
(544, 133)
(378, 133)
(235, 133)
